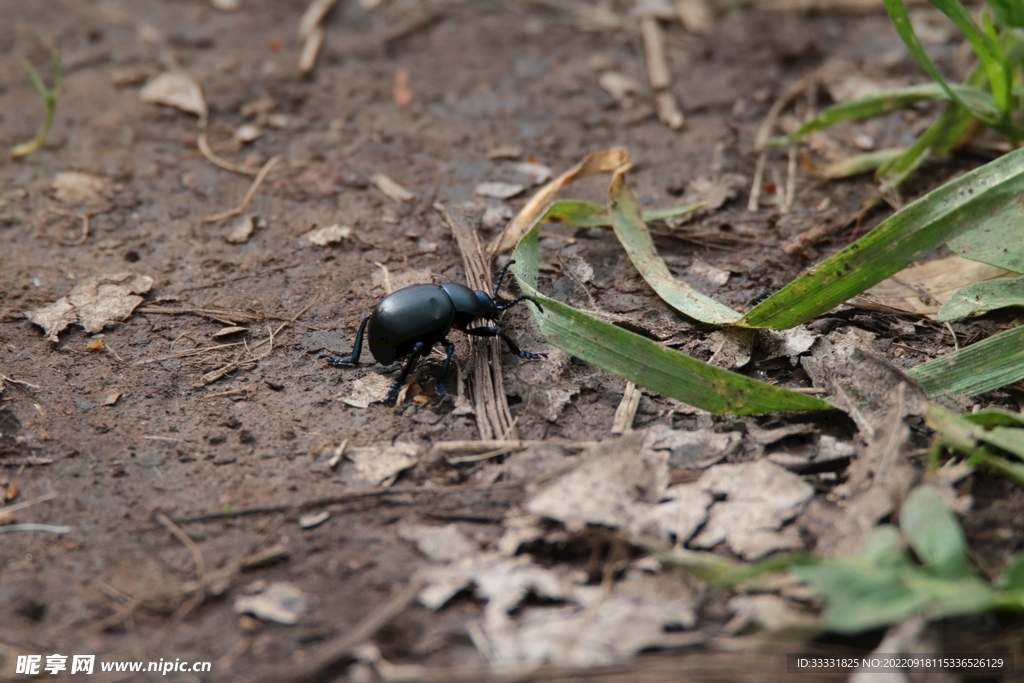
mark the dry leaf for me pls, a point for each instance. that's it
(111, 398)
(83, 191)
(242, 231)
(176, 89)
(93, 304)
(619, 86)
(498, 190)
(331, 234)
(438, 543)
(282, 603)
(391, 189)
(537, 173)
(372, 466)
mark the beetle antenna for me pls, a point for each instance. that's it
(502, 307)
(501, 276)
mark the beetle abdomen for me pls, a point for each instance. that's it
(417, 313)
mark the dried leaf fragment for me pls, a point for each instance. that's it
(176, 89)
(498, 190)
(93, 304)
(391, 189)
(331, 234)
(281, 602)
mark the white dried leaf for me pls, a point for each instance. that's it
(537, 173)
(612, 485)
(366, 390)
(374, 466)
(93, 304)
(176, 89)
(74, 188)
(760, 497)
(498, 190)
(619, 86)
(715, 276)
(391, 189)
(111, 398)
(331, 234)
(497, 216)
(438, 543)
(242, 231)
(281, 602)
(314, 520)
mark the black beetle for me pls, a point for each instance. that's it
(410, 321)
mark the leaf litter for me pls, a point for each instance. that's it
(94, 303)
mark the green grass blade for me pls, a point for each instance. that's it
(579, 213)
(876, 104)
(986, 46)
(636, 240)
(981, 297)
(645, 362)
(997, 242)
(901, 21)
(987, 365)
(907, 235)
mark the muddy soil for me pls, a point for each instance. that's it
(127, 430)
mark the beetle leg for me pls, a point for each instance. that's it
(414, 356)
(512, 347)
(501, 276)
(449, 349)
(357, 348)
(510, 304)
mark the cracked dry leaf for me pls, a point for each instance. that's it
(176, 89)
(610, 486)
(760, 497)
(366, 390)
(438, 543)
(331, 234)
(641, 612)
(82, 191)
(372, 466)
(283, 603)
(691, 449)
(546, 388)
(93, 304)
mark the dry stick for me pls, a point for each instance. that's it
(197, 554)
(493, 417)
(248, 195)
(626, 412)
(753, 203)
(342, 647)
(85, 225)
(5, 378)
(658, 73)
(787, 200)
(204, 147)
(339, 499)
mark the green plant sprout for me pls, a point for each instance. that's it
(987, 98)
(49, 97)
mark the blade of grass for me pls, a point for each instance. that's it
(981, 297)
(646, 362)
(907, 235)
(901, 21)
(858, 163)
(579, 213)
(987, 365)
(50, 98)
(996, 242)
(636, 240)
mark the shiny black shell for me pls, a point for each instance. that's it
(412, 314)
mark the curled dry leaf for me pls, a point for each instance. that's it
(93, 304)
(283, 603)
(391, 189)
(373, 466)
(331, 234)
(83, 191)
(619, 86)
(242, 231)
(176, 89)
(438, 543)
(498, 190)
(760, 497)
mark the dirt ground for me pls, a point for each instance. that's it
(156, 470)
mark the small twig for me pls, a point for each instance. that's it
(185, 354)
(5, 378)
(347, 497)
(338, 454)
(204, 147)
(791, 171)
(341, 648)
(754, 203)
(626, 412)
(248, 195)
(84, 216)
(956, 342)
(45, 528)
(28, 503)
(197, 554)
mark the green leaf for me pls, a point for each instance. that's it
(1010, 470)
(907, 235)
(995, 417)
(981, 297)
(579, 213)
(860, 163)
(987, 365)
(636, 240)
(901, 21)
(998, 241)
(1008, 12)
(1013, 575)
(646, 362)
(1010, 439)
(934, 533)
